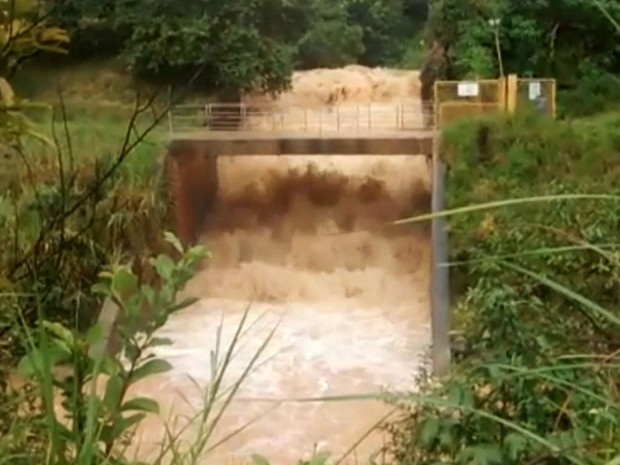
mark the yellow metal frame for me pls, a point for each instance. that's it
(552, 91)
(507, 99)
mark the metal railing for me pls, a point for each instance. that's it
(341, 119)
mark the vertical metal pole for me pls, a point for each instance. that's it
(440, 298)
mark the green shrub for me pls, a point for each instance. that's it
(595, 92)
(538, 378)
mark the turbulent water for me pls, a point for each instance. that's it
(305, 243)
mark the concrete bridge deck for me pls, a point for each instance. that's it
(392, 129)
(296, 143)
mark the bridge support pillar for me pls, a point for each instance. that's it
(192, 185)
(440, 288)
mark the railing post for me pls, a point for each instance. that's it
(337, 118)
(512, 87)
(436, 104)
(369, 117)
(305, 120)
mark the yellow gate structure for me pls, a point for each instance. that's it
(534, 93)
(458, 99)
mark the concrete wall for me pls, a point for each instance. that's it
(191, 164)
(192, 184)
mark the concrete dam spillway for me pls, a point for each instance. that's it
(303, 241)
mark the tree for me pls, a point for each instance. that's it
(385, 29)
(538, 37)
(228, 44)
(24, 33)
(329, 39)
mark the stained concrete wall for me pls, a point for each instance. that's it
(192, 183)
(191, 164)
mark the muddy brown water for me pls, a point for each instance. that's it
(303, 242)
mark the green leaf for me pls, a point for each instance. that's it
(173, 240)
(60, 332)
(514, 444)
(319, 458)
(141, 404)
(160, 341)
(112, 432)
(127, 422)
(124, 283)
(258, 459)
(614, 461)
(113, 392)
(183, 304)
(505, 203)
(32, 363)
(164, 266)
(111, 366)
(95, 335)
(429, 431)
(150, 368)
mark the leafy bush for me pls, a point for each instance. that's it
(596, 91)
(537, 380)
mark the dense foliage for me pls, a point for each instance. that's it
(240, 44)
(536, 289)
(573, 41)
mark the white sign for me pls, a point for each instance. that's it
(534, 90)
(467, 89)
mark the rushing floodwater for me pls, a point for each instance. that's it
(308, 250)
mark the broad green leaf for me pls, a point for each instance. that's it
(128, 422)
(63, 334)
(124, 283)
(258, 459)
(150, 368)
(141, 404)
(429, 431)
(164, 266)
(6, 93)
(514, 444)
(614, 461)
(112, 432)
(319, 458)
(95, 335)
(113, 392)
(32, 363)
